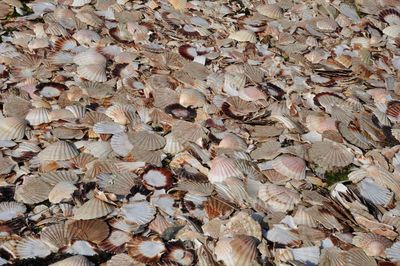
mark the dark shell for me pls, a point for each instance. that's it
(180, 112)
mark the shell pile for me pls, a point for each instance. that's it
(155, 132)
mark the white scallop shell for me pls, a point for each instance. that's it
(222, 168)
(93, 72)
(38, 116)
(12, 128)
(117, 183)
(10, 210)
(120, 144)
(31, 248)
(108, 128)
(60, 150)
(140, 212)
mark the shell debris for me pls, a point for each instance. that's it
(186, 132)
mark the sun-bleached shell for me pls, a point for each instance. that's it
(93, 208)
(10, 210)
(77, 260)
(273, 11)
(33, 190)
(146, 249)
(330, 154)
(138, 212)
(31, 248)
(118, 183)
(222, 168)
(373, 245)
(38, 116)
(62, 191)
(240, 250)
(144, 140)
(278, 198)
(243, 36)
(60, 150)
(12, 128)
(55, 177)
(57, 236)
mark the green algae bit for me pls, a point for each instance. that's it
(334, 177)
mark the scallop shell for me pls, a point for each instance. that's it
(240, 250)
(78, 111)
(12, 128)
(10, 210)
(121, 259)
(222, 168)
(157, 178)
(243, 36)
(91, 118)
(373, 245)
(94, 231)
(93, 72)
(117, 183)
(31, 248)
(392, 31)
(93, 208)
(38, 116)
(216, 208)
(180, 255)
(33, 190)
(242, 223)
(290, 166)
(178, 4)
(184, 131)
(356, 256)
(330, 155)
(146, 249)
(327, 25)
(61, 192)
(192, 97)
(150, 157)
(278, 198)
(354, 136)
(108, 128)
(390, 16)
(172, 146)
(115, 242)
(393, 253)
(282, 234)
(57, 236)
(55, 177)
(146, 140)
(140, 212)
(120, 144)
(60, 150)
(15, 106)
(90, 57)
(121, 114)
(374, 192)
(77, 260)
(272, 11)
(89, 18)
(99, 149)
(306, 254)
